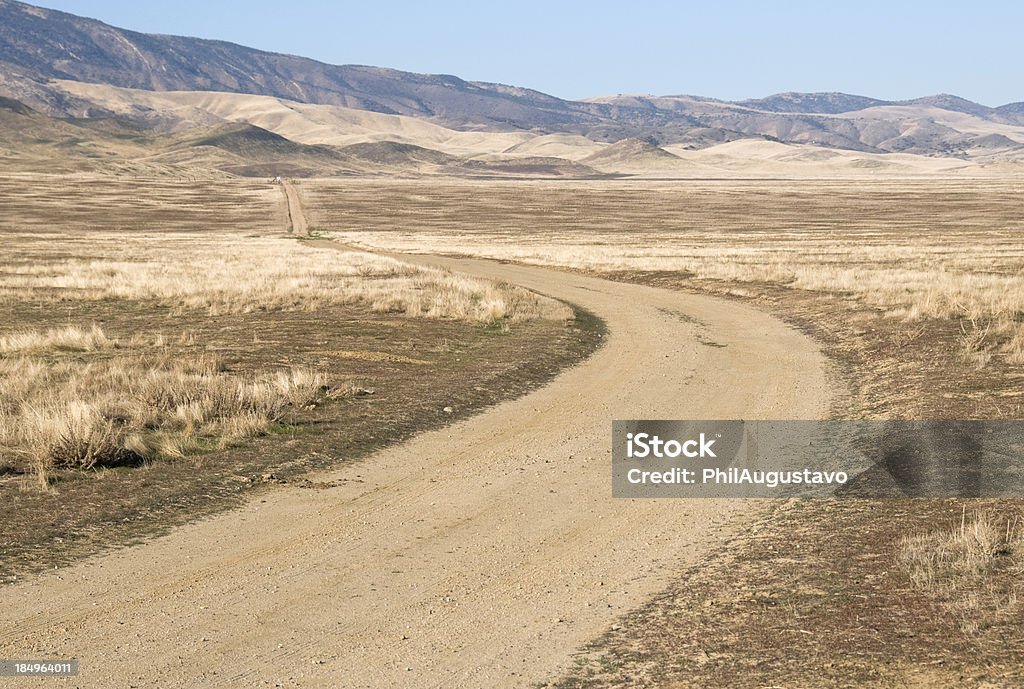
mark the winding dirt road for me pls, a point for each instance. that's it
(479, 555)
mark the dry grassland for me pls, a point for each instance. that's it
(212, 245)
(915, 289)
(912, 250)
(232, 274)
(60, 410)
(70, 204)
(966, 567)
(74, 397)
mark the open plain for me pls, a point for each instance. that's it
(911, 288)
(486, 551)
(380, 568)
(917, 268)
(309, 370)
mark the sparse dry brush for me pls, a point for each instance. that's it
(990, 307)
(966, 568)
(935, 250)
(177, 247)
(71, 338)
(134, 406)
(229, 274)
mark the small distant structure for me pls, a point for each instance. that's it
(277, 180)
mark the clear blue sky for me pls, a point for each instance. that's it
(731, 50)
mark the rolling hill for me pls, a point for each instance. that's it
(76, 87)
(38, 45)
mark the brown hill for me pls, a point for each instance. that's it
(42, 51)
(392, 154)
(630, 152)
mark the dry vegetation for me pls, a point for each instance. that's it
(72, 397)
(70, 338)
(818, 594)
(962, 567)
(915, 289)
(225, 274)
(885, 264)
(68, 413)
(84, 238)
(73, 204)
(914, 251)
(389, 377)
(168, 336)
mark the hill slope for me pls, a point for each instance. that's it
(68, 66)
(37, 45)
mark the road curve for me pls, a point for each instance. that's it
(479, 555)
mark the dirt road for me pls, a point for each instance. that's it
(480, 555)
(296, 218)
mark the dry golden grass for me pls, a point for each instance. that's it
(134, 406)
(959, 566)
(937, 249)
(229, 274)
(192, 245)
(71, 204)
(72, 338)
(160, 246)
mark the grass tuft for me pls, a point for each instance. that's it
(71, 338)
(958, 565)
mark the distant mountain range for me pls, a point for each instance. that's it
(47, 56)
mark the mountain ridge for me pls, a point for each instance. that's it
(42, 51)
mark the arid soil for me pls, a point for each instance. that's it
(390, 377)
(478, 555)
(811, 594)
